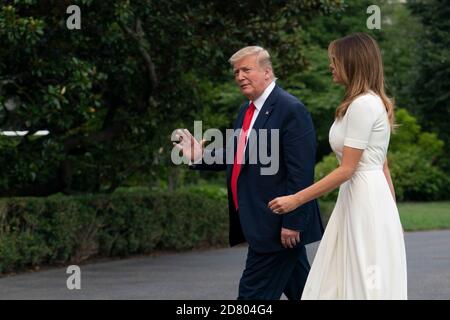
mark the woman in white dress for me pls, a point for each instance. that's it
(362, 253)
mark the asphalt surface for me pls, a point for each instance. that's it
(209, 274)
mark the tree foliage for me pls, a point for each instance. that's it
(432, 86)
(111, 93)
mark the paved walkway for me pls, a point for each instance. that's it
(211, 274)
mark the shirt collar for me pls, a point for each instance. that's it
(259, 102)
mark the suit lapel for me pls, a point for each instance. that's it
(266, 109)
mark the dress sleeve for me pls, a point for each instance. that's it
(360, 120)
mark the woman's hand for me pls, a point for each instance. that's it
(282, 205)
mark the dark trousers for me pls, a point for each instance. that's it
(268, 275)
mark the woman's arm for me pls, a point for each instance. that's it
(350, 160)
(387, 174)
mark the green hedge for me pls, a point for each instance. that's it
(59, 230)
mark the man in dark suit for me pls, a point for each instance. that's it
(276, 260)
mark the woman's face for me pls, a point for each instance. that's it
(336, 78)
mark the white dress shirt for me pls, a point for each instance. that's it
(259, 102)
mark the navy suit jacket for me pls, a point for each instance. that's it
(254, 222)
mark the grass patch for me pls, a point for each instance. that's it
(415, 216)
(425, 215)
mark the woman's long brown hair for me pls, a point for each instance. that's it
(357, 61)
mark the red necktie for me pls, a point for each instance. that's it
(240, 151)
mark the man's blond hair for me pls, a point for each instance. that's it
(262, 57)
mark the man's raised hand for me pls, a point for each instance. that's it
(191, 148)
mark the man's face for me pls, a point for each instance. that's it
(250, 77)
